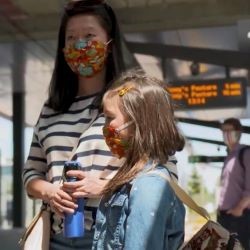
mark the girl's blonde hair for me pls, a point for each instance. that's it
(148, 104)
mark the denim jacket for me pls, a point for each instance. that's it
(143, 215)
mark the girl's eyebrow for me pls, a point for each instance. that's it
(106, 111)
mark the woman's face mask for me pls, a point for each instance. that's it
(231, 137)
(86, 57)
(117, 145)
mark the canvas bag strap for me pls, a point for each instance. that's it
(183, 196)
(30, 227)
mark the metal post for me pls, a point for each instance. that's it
(227, 72)
(167, 68)
(18, 83)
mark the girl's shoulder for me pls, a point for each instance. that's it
(149, 171)
(152, 187)
(152, 177)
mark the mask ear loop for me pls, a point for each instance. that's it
(108, 48)
(109, 41)
(125, 125)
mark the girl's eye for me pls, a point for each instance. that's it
(108, 119)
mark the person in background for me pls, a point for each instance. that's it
(139, 210)
(234, 200)
(89, 57)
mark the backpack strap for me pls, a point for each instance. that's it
(241, 154)
(182, 195)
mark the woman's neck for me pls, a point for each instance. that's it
(91, 85)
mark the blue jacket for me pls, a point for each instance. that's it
(143, 215)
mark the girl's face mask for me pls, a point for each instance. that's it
(86, 57)
(231, 137)
(118, 145)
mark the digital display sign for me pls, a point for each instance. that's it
(207, 94)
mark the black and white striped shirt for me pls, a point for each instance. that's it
(55, 136)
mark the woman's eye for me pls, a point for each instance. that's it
(70, 38)
(89, 36)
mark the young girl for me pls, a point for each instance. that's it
(139, 210)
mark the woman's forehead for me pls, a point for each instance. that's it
(83, 22)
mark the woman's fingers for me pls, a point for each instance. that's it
(70, 187)
(60, 208)
(86, 185)
(62, 202)
(79, 174)
(80, 194)
(64, 206)
(62, 195)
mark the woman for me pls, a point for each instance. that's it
(139, 209)
(88, 58)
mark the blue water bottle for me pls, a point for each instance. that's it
(74, 223)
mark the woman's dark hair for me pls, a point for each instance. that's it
(64, 83)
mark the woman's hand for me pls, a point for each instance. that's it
(60, 201)
(87, 185)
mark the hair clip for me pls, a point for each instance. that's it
(124, 90)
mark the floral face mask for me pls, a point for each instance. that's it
(118, 145)
(86, 57)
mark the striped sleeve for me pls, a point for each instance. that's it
(36, 164)
(94, 153)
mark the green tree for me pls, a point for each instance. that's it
(194, 184)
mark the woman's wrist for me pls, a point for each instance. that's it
(47, 191)
(40, 189)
